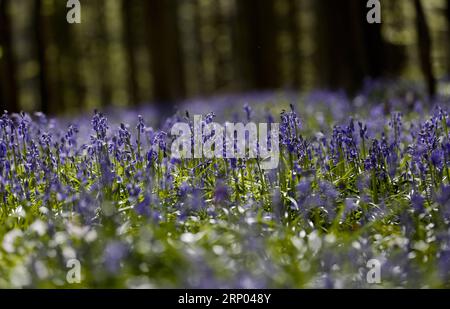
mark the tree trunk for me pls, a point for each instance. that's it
(374, 47)
(349, 49)
(341, 61)
(74, 78)
(103, 53)
(425, 49)
(8, 82)
(294, 30)
(199, 55)
(165, 52)
(129, 42)
(220, 72)
(40, 25)
(63, 67)
(255, 40)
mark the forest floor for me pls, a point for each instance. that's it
(360, 197)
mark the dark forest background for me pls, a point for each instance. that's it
(130, 52)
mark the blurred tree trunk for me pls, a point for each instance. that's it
(129, 42)
(70, 88)
(425, 48)
(220, 72)
(165, 52)
(8, 82)
(75, 74)
(255, 40)
(294, 30)
(350, 49)
(58, 40)
(338, 62)
(199, 56)
(374, 47)
(103, 52)
(40, 23)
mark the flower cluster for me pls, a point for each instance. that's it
(351, 187)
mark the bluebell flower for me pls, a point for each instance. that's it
(303, 191)
(362, 130)
(124, 135)
(87, 207)
(143, 208)
(437, 158)
(343, 143)
(100, 125)
(444, 264)
(418, 202)
(141, 125)
(23, 127)
(210, 117)
(328, 190)
(349, 206)
(443, 198)
(290, 124)
(133, 190)
(184, 189)
(70, 135)
(221, 193)
(396, 125)
(42, 118)
(444, 195)
(45, 139)
(5, 121)
(113, 255)
(159, 140)
(3, 150)
(248, 111)
(107, 171)
(196, 199)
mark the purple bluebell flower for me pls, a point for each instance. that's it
(141, 125)
(175, 161)
(444, 264)
(184, 189)
(437, 158)
(100, 125)
(248, 111)
(418, 202)
(3, 150)
(160, 140)
(107, 171)
(290, 124)
(143, 208)
(195, 201)
(133, 190)
(24, 124)
(328, 190)
(5, 121)
(113, 255)
(124, 135)
(349, 206)
(396, 125)
(443, 198)
(362, 130)
(42, 118)
(87, 207)
(303, 191)
(210, 117)
(152, 156)
(221, 193)
(45, 139)
(343, 143)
